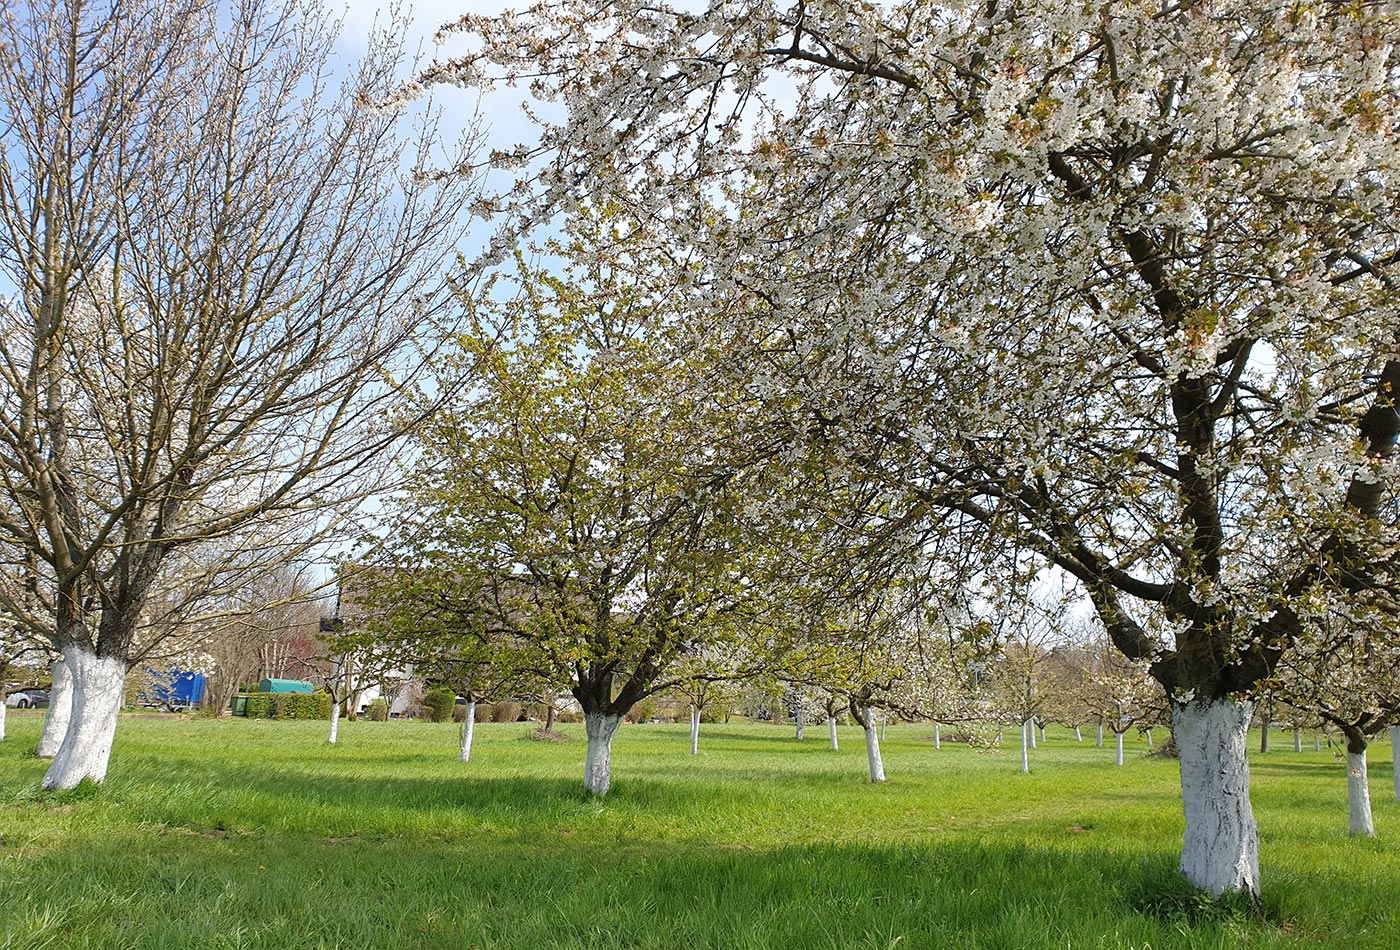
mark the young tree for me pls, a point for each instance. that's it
(1109, 279)
(222, 278)
(1348, 675)
(579, 480)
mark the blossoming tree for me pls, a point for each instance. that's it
(1110, 278)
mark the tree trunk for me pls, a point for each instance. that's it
(1119, 737)
(937, 737)
(1221, 848)
(694, 731)
(468, 727)
(1297, 740)
(1098, 743)
(872, 747)
(1359, 820)
(1317, 747)
(335, 724)
(3, 708)
(60, 710)
(883, 720)
(597, 767)
(1042, 733)
(801, 724)
(1025, 748)
(549, 714)
(1147, 733)
(1395, 759)
(831, 725)
(1264, 736)
(1028, 729)
(1078, 736)
(96, 688)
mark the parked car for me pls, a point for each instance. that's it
(28, 699)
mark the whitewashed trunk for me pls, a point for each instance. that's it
(60, 710)
(831, 726)
(97, 683)
(1221, 848)
(801, 725)
(1358, 796)
(1297, 740)
(1098, 742)
(468, 727)
(597, 767)
(872, 748)
(2, 715)
(882, 728)
(1119, 737)
(1029, 729)
(1025, 749)
(1395, 759)
(1042, 733)
(694, 731)
(1148, 735)
(1078, 736)
(335, 724)
(937, 737)
(1317, 747)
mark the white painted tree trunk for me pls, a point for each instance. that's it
(335, 724)
(937, 737)
(1221, 848)
(882, 728)
(1119, 737)
(1358, 796)
(1297, 740)
(831, 725)
(60, 711)
(694, 731)
(2, 715)
(1148, 734)
(1098, 743)
(1029, 730)
(1395, 759)
(801, 724)
(1025, 748)
(597, 767)
(1078, 736)
(872, 748)
(468, 727)
(1317, 747)
(1042, 733)
(97, 683)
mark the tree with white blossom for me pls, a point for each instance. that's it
(1112, 280)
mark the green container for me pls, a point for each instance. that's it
(239, 705)
(286, 686)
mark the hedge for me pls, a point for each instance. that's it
(289, 706)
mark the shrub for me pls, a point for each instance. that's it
(506, 712)
(643, 711)
(260, 706)
(459, 712)
(484, 712)
(379, 710)
(568, 717)
(715, 712)
(438, 703)
(301, 706)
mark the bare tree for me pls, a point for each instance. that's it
(223, 274)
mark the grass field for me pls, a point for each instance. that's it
(215, 834)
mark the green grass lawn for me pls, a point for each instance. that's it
(233, 833)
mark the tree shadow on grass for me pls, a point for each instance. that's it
(565, 893)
